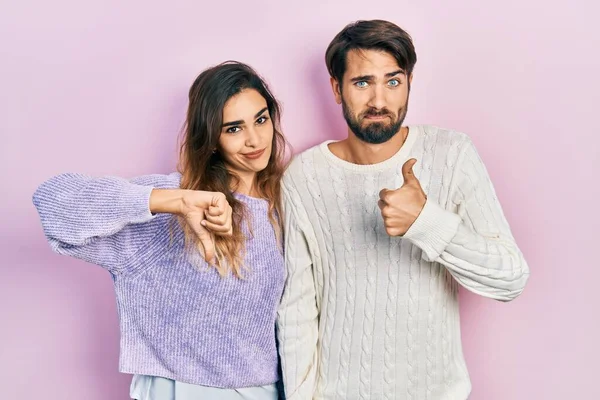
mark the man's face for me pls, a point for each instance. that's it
(374, 95)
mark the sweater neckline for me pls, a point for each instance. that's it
(250, 199)
(401, 154)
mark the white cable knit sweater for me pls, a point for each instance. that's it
(369, 316)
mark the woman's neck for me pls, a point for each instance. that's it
(246, 185)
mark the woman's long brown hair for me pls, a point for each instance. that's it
(203, 168)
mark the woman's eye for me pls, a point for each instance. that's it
(261, 120)
(233, 129)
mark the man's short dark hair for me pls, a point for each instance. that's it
(370, 35)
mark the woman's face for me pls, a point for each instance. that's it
(246, 134)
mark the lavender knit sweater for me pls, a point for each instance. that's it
(176, 321)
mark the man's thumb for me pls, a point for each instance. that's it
(407, 172)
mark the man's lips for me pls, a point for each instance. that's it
(376, 117)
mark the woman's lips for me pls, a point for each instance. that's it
(254, 155)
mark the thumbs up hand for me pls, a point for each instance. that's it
(401, 207)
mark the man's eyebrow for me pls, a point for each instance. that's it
(398, 72)
(362, 78)
(372, 77)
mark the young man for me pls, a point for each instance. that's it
(381, 228)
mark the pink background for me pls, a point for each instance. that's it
(100, 87)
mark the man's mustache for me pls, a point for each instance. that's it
(377, 113)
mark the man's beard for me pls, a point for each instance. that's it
(374, 132)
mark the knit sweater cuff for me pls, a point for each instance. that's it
(433, 230)
(137, 199)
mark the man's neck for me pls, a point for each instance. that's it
(356, 151)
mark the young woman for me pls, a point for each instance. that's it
(195, 256)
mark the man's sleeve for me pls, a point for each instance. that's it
(298, 315)
(476, 244)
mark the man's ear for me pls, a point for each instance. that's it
(337, 92)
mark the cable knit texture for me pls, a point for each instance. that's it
(179, 319)
(369, 316)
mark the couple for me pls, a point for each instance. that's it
(344, 266)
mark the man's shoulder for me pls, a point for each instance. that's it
(296, 166)
(435, 140)
(434, 132)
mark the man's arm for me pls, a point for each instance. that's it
(476, 244)
(298, 315)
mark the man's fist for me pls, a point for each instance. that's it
(401, 207)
